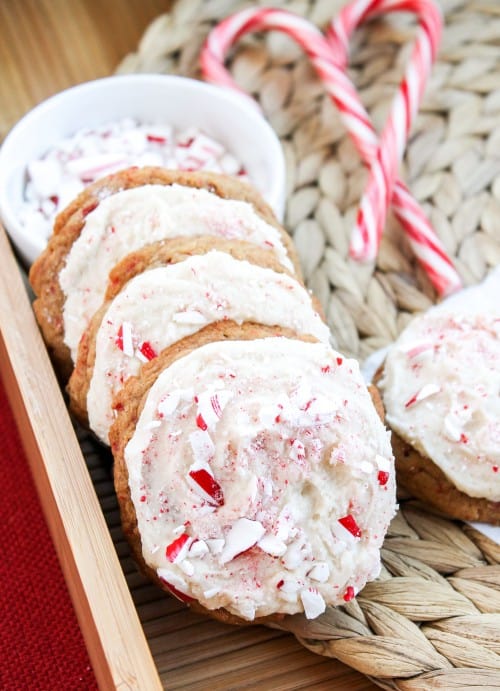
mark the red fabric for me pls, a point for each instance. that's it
(41, 645)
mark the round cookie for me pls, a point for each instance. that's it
(173, 250)
(440, 384)
(87, 240)
(166, 303)
(255, 478)
(423, 479)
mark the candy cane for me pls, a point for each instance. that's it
(424, 242)
(329, 62)
(229, 30)
(383, 170)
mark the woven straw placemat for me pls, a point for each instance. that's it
(432, 619)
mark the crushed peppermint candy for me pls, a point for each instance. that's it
(416, 348)
(124, 339)
(349, 593)
(202, 446)
(313, 603)
(382, 477)
(243, 534)
(205, 485)
(425, 392)
(168, 403)
(54, 179)
(210, 407)
(349, 523)
(320, 572)
(198, 549)
(178, 549)
(272, 545)
(146, 352)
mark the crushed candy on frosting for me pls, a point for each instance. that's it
(259, 491)
(441, 386)
(145, 317)
(122, 222)
(54, 179)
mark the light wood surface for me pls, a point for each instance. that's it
(49, 45)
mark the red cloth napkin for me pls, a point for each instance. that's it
(41, 645)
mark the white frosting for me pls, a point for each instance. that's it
(441, 389)
(127, 220)
(166, 304)
(477, 299)
(262, 477)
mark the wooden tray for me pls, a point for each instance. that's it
(137, 637)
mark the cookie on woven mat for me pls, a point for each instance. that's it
(121, 213)
(165, 303)
(440, 386)
(254, 476)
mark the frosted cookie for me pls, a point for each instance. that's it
(121, 213)
(177, 249)
(254, 477)
(440, 386)
(163, 305)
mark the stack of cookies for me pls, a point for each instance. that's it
(254, 474)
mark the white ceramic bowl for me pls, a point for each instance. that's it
(178, 101)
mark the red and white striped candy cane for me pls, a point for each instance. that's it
(424, 242)
(329, 63)
(229, 30)
(384, 165)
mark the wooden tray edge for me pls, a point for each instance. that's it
(117, 646)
